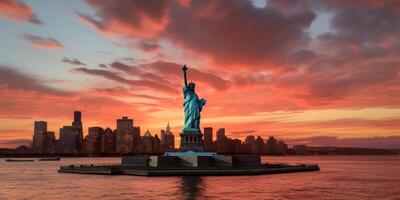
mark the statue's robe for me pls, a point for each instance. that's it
(192, 107)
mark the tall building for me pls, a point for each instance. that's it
(77, 123)
(222, 141)
(50, 143)
(272, 146)
(282, 147)
(250, 143)
(125, 136)
(94, 140)
(40, 126)
(250, 139)
(39, 137)
(108, 141)
(221, 134)
(234, 145)
(157, 148)
(148, 142)
(167, 139)
(43, 141)
(136, 135)
(68, 143)
(259, 145)
(208, 139)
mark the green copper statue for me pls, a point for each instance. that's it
(192, 105)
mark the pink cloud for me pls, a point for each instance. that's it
(142, 19)
(43, 42)
(18, 11)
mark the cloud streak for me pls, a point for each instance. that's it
(11, 79)
(72, 61)
(43, 42)
(158, 86)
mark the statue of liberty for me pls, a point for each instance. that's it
(192, 105)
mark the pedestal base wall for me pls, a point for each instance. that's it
(191, 141)
(192, 161)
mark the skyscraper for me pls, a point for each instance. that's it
(148, 142)
(282, 147)
(125, 135)
(272, 145)
(50, 143)
(156, 145)
(77, 123)
(250, 142)
(40, 126)
(208, 138)
(39, 137)
(108, 141)
(250, 139)
(68, 143)
(94, 140)
(259, 145)
(136, 135)
(222, 141)
(221, 134)
(167, 139)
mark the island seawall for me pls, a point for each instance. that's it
(189, 166)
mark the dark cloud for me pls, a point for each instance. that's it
(237, 33)
(72, 61)
(138, 18)
(121, 91)
(159, 86)
(104, 73)
(125, 68)
(148, 46)
(219, 29)
(103, 66)
(86, 18)
(17, 81)
(175, 70)
(355, 80)
(160, 69)
(43, 42)
(35, 20)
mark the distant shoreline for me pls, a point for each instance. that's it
(119, 156)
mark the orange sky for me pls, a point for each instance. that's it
(294, 70)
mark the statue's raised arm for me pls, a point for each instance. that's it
(184, 68)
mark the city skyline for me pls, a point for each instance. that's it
(321, 77)
(116, 141)
(127, 139)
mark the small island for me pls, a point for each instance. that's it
(191, 159)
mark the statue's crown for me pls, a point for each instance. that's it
(192, 83)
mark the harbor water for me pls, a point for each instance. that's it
(340, 177)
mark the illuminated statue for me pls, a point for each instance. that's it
(192, 105)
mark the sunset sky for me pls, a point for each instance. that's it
(312, 72)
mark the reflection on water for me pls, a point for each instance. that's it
(191, 186)
(341, 177)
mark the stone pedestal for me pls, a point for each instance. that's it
(191, 140)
